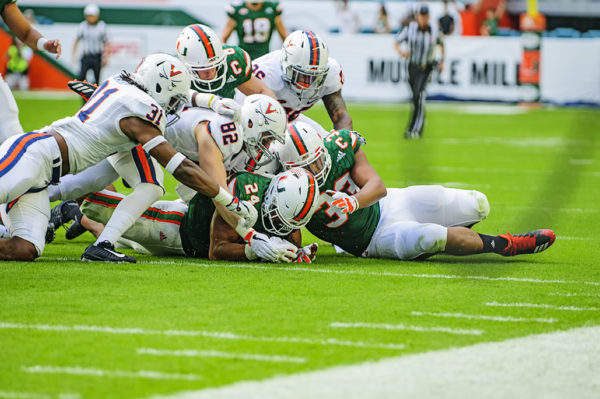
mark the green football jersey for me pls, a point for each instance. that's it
(351, 232)
(195, 226)
(251, 187)
(254, 28)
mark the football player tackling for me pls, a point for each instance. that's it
(355, 213)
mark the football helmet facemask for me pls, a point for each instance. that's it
(199, 47)
(289, 201)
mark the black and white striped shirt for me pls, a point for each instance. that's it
(92, 37)
(421, 42)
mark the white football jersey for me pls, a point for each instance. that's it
(94, 133)
(268, 69)
(226, 133)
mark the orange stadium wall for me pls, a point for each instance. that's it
(43, 74)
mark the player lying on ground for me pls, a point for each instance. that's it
(355, 213)
(285, 204)
(137, 103)
(217, 143)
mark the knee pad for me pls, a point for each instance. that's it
(482, 205)
(431, 238)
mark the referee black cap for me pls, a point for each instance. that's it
(424, 10)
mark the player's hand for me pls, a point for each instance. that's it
(307, 254)
(54, 47)
(227, 107)
(347, 203)
(273, 249)
(244, 209)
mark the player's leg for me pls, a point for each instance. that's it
(96, 65)
(145, 177)
(437, 204)
(419, 101)
(9, 113)
(26, 222)
(157, 230)
(92, 179)
(412, 79)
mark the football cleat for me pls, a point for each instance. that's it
(61, 214)
(75, 229)
(105, 252)
(528, 243)
(83, 88)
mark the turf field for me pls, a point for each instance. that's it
(78, 330)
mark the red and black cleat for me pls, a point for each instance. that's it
(83, 88)
(528, 243)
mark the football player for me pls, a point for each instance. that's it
(284, 203)
(414, 222)
(301, 74)
(126, 110)
(254, 22)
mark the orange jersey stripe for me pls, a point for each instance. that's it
(18, 149)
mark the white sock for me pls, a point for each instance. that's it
(129, 209)
(90, 180)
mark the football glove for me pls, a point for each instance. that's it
(226, 107)
(307, 254)
(347, 203)
(273, 249)
(244, 209)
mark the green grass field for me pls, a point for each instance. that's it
(78, 330)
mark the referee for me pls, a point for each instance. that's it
(92, 35)
(417, 42)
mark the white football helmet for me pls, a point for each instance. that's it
(263, 120)
(304, 148)
(289, 202)
(166, 79)
(304, 61)
(202, 50)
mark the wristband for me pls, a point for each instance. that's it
(250, 254)
(203, 100)
(40, 43)
(224, 197)
(175, 162)
(243, 230)
(153, 143)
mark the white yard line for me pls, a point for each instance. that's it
(485, 317)
(280, 268)
(540, 305)
(76, 370)
(404, 327)
(192, 333)
(223, 355)
(568, 294)
(557, 365)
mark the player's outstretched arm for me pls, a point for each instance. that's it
(182, 168)
(336, 108)
(21, 27)
(225, 244)
(372, 188)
